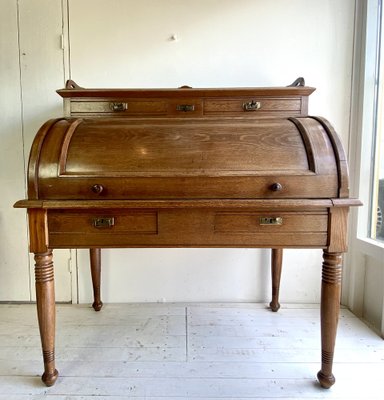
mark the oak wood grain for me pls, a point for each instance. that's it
(232, 167)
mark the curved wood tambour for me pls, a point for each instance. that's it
(276, 265)
(341, 158)
(34, 157)
(95, 263)
(45, 299)
(308, 143)
(42, 155)
(154, 149)
(317, 144)
(169, 172)
(330, 305)
(65, 144)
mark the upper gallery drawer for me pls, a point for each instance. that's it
(119, 107)
(253, 106)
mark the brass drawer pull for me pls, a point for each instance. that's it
(251, 106)
(103, 222)
(185, 107)
(116, 107)
(271, 221)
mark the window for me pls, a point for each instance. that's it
(367, 118)
(377, 205)
(363, 291)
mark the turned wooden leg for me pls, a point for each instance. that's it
(330, 306)
(95, 257)
(46, 312)
(276, 263)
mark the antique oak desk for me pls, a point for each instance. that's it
(187, 168)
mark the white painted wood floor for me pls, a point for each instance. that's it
(187, 351)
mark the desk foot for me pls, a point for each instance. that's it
(274, 306)
(276, 264)
(95, 261)
(50, 378)
(326, 381)
(97, 305)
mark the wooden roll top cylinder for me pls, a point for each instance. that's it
(186, 158)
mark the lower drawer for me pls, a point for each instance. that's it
(102, 222)
(254, 222)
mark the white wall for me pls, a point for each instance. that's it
(14, 268)
(31, 69)
(127, 43)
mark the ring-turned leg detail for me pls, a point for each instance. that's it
(49, 378)
(276, 263)
(46, 312)
(330, 306)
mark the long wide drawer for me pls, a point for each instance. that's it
(186, 228)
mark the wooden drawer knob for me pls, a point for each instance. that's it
(276, 187)
(97, 189)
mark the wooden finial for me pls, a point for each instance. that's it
(70, 84)
(298, 82)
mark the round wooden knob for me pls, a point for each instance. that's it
(276, 187)
(97, 188)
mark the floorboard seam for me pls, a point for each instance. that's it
(186, 335)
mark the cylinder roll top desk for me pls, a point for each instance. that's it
(231, 167)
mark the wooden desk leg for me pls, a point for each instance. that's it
(95, 258)
(46, 312)
(276, 263)
(330, 306)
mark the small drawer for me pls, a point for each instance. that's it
(284, 222)
(252, 106)
(119, 107)
(102, 221)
